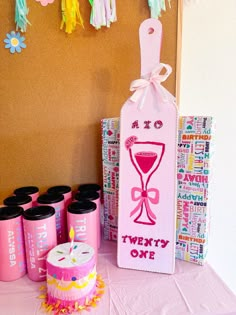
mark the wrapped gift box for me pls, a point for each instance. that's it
(194, 170)
(110, 158)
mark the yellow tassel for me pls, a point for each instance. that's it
(70, 15)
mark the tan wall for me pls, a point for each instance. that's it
(54, 94)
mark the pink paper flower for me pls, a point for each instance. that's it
(45, 2)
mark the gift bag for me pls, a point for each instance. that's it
(148, 153)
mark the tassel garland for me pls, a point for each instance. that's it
(156, 6)
(21, 12)
(70, 15)
(103, 13)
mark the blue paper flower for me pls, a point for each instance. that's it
(15, 42)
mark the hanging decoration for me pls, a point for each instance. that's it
(103, 13)
(45, 2)
(70, 15)
(156, 6)
(14, 42)
(21, 12)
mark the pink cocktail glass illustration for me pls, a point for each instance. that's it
(146, 158)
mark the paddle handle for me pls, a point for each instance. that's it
(150, 38)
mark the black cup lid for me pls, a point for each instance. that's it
(87, 195)
(27, 190)
(7, 213)
(94, 187)
(38, 213)
(63, 189)
(17, 200)
(81, 207)
(50, 198)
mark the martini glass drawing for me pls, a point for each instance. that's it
(146, 158)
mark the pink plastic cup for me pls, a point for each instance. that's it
(12, 249)
(57, 202)
(23, 201)
(62, 190)
(94, 197)
(31, 191)
(81, 215)
(40, 237)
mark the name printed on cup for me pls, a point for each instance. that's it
(80, 229)
(15, 246)
(11, 248)
(31, 250)
(42, 247)
(59, 218)
(38, 250)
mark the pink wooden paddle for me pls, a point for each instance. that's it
(148, 150)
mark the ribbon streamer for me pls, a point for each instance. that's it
(141, 86)
(156, 6)
(103, 13)
(70, 15)
(21, 12)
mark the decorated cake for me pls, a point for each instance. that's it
(72, 281)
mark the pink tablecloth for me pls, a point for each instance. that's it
(192, 289)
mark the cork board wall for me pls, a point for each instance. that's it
(54, 94)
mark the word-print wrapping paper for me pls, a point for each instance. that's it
(194, 174)
(110, 166)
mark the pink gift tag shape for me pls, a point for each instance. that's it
(148, 155)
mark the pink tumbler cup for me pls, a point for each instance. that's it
(94, 197)
(62, 190)
(93, 187)
(23, 201)
(31, 191)
(57, 202)
(12, 249)
(81, 215)
(40, 237)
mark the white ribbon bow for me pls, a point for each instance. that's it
(140, 86)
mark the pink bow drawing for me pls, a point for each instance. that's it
(144, 196)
